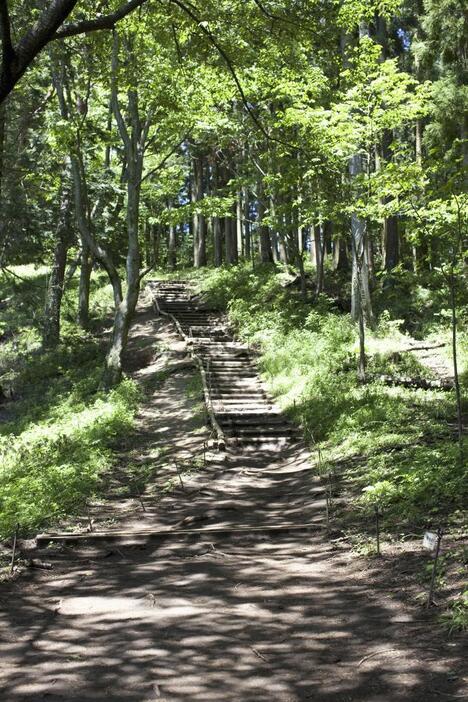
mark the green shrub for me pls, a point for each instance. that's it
(456, 617)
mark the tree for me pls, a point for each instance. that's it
(50, 26)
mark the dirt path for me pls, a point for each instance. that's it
(432, 356)
(249, 618)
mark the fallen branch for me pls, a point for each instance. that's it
(388, 650)
(418, 383)
(37, 563)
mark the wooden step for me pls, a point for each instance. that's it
(161, 533)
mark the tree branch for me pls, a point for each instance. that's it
(47, 28)
(163, 161)
(277, 18)
(227, 60)
(94, 25)
(214, 42)
(115, 94)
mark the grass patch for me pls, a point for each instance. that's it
(57, 432)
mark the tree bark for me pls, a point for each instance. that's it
(275, 243)
(392, 243)
(246, 210)
(81, 199)
(340, 254)
(172, 247)
(2, 168)
(2, 147)
(216, 223)
(319, 246)
(230, 232)
(360, 289)
(266, 255)
(156, 242)
(126, 307)
(133, 135)
(199, 222)
(83, 222)
(51, 327)
(239, 224)
(86, 266)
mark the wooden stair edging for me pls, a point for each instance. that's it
(220, 437)
(170, 316)
(90, 536)
(415, 383)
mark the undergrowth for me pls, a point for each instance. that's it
(57, 424)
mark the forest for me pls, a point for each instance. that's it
(291, 172)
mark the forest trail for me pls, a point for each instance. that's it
(244, 617)
(432, 356)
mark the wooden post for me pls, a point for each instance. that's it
(90, 521)
(430, 596)
(15, 541)
(180, 477)
(377, 528)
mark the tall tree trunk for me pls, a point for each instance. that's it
(134, 136)
(81, 199)
(216, 223)
(274, 234)
(313, 247)
(217, 242)
(361, 305)
(230, 227)
(239, 224)
(360, 290)
(51, 327)
(2, 168)
(283, 250)
(86, 266)
(319, 245)
(126, 307)
(230, 232)
(83, 222)
(392, 243)
(201, 258)
(266, 255)
(2, 147)
(194, 219)
(199, 222)
(156, 242)
(148, 247)
(172, 241)
(246, 212)
(340, 254)
(172, 247)
(298, 255)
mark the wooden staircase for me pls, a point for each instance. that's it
(242, 409)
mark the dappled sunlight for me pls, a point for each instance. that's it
(251, 621)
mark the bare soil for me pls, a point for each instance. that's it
(284, 617)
